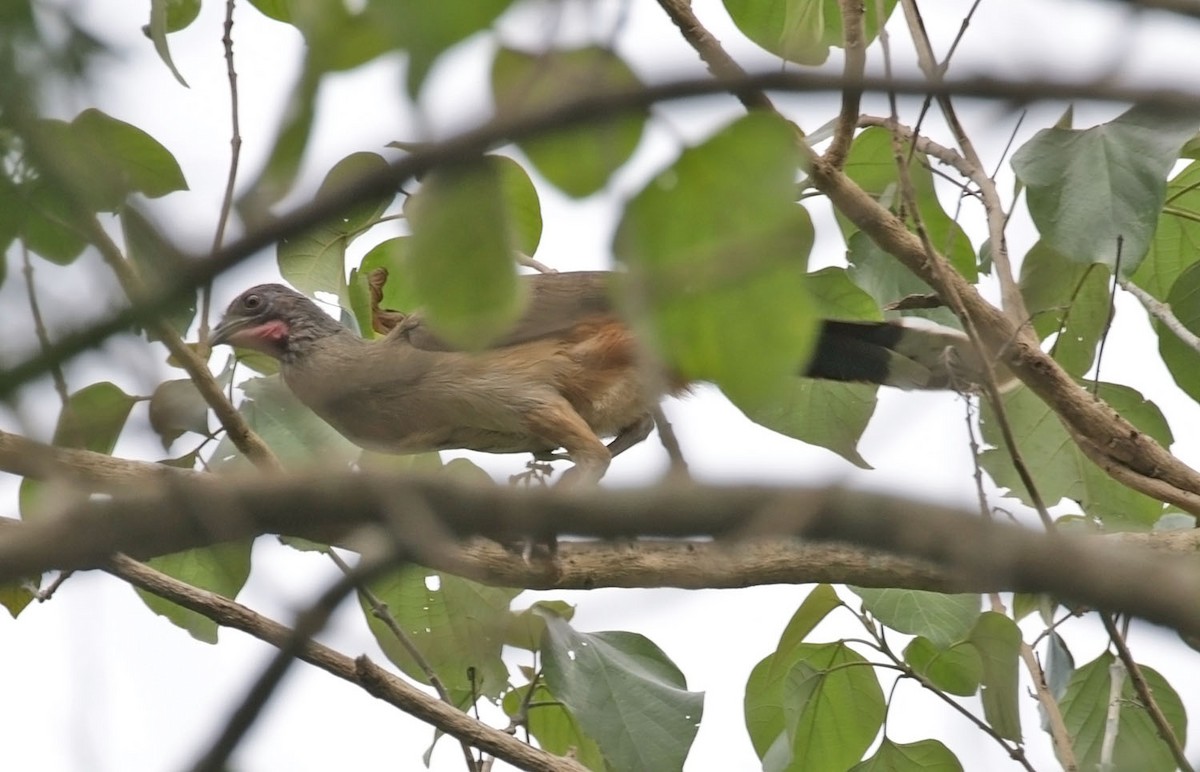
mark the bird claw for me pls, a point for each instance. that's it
(537, 472)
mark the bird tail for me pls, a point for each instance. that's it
(899, 354)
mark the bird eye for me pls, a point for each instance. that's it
(251, 302)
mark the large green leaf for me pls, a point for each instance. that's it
(49, 224)
(943, 619)
(315, 261)
(221, 569)
(800, 31)
(1176, 243)
(465, 227)
(814, 707)
(1068, 299)
(139, 163)
(177, 407)
(1060, 469)
(92, 419)
(921, 756)
(872, 164)
(1087, 188)
(554, 727)
(456, 624)
(625, 693)
(716, 250)
(1138, 745)
(886, 279)
(1181, 359)
(998, 641)
(578, 161)
(816, 606)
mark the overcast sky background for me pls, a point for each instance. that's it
(94, 681)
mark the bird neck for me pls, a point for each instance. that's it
(315, 332)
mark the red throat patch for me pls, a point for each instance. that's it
(267, 337)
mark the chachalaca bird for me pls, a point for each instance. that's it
(566, 375)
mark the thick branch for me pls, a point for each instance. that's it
(191, 513)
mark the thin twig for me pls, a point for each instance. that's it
(666, 435)
(853, 37)
(235, 152)
(1144, 693)
(39, 325)
(1163, 313)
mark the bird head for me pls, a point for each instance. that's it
(270, 318)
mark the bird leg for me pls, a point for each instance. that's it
(559, 424)
(631, 435)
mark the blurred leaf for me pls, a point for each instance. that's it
(1062, 469)
(1068, 299)
(577, 161)
(461, 253)
(297, 436)
(886, 279)
(92, 419)
(456, 624)
(1089, 187)
(315, 261)
(279, 10)
(625, 693)
(141, 163)
(1059, 668)
(955, 669)
(998, 640)
(872, 164)
(177, 407)
(716, 251)
(157, 263)
(279, 172)
(800, 31)
(170, 16)
(1176, 244)
(15, 596)
(49, 223)
(1138, 745)
(553, 726)
(222, 569)
(425, 30)
(943, 619)
(921, 756)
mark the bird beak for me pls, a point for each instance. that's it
(227, 330)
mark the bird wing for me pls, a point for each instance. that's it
(557, 303)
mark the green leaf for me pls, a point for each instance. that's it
(943, 619)
(49, 222)
(457, 625)
(816, 708)
(527, 627)
(721, 277)
(15, 596)
(1181, 360)
(1059, 668)
(872, 164)
(222, 569)
(922, 756)
(998, 641)
(555, 729)
(1068, 299)
(315, 261)
(1089, 187)
(800, 31)
(886, 279)
(177, 407)
(92, 419)
(140, 163)
(577, 161)
(625, 693)
(816, 606)
(297, 436)
(1176, 243)
(1062, 469)
(956, 669)
(283, 163)
(170, 16)
(461, 254)
(1138, 745)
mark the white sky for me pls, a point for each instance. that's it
(93, 681)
